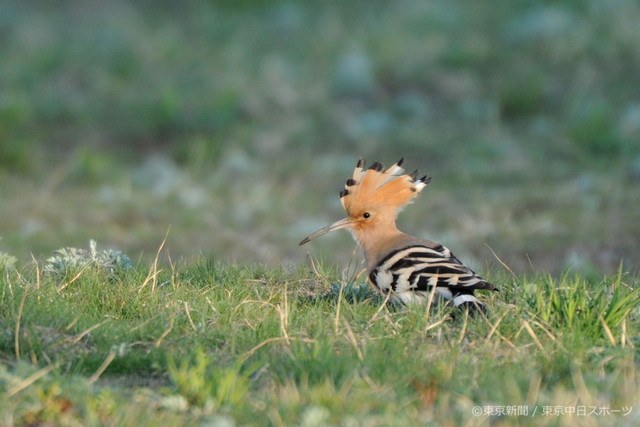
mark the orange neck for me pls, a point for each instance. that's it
(375, 241)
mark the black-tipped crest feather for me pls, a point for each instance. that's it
(377, 166)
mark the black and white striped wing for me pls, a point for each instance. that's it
(417, 269)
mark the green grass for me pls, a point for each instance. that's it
(206, 342)
(231, 125)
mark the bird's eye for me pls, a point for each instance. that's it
(366, 215)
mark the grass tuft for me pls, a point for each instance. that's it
(594, 308)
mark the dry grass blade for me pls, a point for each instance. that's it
(166, 332)
(533, 335)
(73, 322)
(436, 324)
(16, 338)
(379, 310)
(545, 330)
(607, 331)
(352, 339)
(257, 347)
(494, 330)
(188, 312)
(38, 271)
(152, 276)
(502, 263)
(76, 277)
(284, 317)
(336, 322)
(29, 380)
(432, 293)
(623, 338)
(107, 361)
(463, 331)
(82, 334)
(237, 307)
(494, 327)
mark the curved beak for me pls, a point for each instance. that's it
(329, 228)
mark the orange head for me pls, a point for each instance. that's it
(372, 198)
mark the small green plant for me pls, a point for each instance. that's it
(6, 261)
(68, 260)
(204, 383)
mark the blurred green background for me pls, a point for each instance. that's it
(235, 123)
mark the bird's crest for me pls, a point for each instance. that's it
(377, 187)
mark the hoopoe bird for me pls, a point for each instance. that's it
(409, 268)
